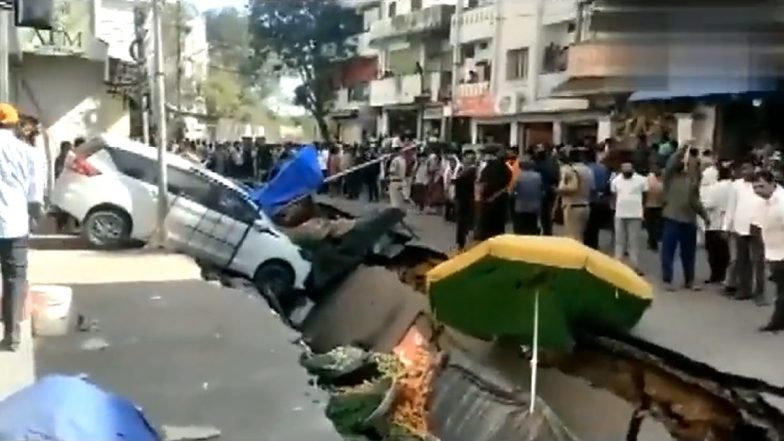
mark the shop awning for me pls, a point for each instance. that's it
(695, 87)
(588, 86)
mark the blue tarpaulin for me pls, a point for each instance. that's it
(696, 87)
(64, 408)
(299, 176)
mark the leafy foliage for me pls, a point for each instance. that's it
(306, 38)
(231, 90)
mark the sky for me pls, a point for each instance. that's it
(205, 5)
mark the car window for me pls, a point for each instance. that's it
(230, 203)
(190, 185)
(212, 195)
(133, 165)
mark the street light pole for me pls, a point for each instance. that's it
(456, 62)
(5, 55)
(179, 71)
(159, 89)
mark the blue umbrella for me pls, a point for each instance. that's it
(63, 408)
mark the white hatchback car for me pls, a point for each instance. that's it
(110, 186)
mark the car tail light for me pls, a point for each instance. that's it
(80, 166)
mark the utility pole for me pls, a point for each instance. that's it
(179, 72)
(5, 55)
(159, 95)
(456, 62)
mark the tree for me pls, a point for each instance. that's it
(307, 38)
(232, 91)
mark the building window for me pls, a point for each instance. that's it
(416, 5)
(517, 64)
(472, 3)
(392, 10)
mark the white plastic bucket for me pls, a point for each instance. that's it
(51, 312)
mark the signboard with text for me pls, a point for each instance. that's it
(71, 35)
(476, 105)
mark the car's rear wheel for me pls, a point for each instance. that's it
(275, 282)
(107, 228)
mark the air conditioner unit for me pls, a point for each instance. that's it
(504, 105)
(509, 104)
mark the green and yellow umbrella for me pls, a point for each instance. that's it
(537, 289)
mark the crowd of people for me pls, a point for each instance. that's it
(662, 196)
(675, 196)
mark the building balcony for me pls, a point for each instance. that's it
(559, 11)
(401, 89)
(437, 85)
(361, 44)
(467, 90)
(432, 19)
(475, 24)
(361, 4)
(601, 59)
(351, 98)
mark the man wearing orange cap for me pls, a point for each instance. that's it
(22, 197)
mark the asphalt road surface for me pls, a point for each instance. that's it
(193, 354)
(703, 326)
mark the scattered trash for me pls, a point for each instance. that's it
(205, 385)
(156, 298)
(84, 325)
(83, 376)
(94, 344)
(218, 335)
(190, 433)
(297, 409)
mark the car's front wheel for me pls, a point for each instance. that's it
(107, 228)
(275, 282)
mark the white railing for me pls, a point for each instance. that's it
(429, 19)
(402, 89)
(472, 89)
(476, 24)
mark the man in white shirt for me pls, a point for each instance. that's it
(741, 208)
(771, 222)
(715, 198)
(22, 197)
(629, 189)
(396, 175)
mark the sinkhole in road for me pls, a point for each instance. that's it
(692, 400)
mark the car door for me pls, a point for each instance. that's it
(234, 215)
(138, 175)
(190, 229)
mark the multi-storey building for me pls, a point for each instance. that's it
(399, 81)
(507, 56)
(351, 113)
(700, 76)
(512, 54)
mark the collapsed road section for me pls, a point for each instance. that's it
(376, 299)
(693, 400)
